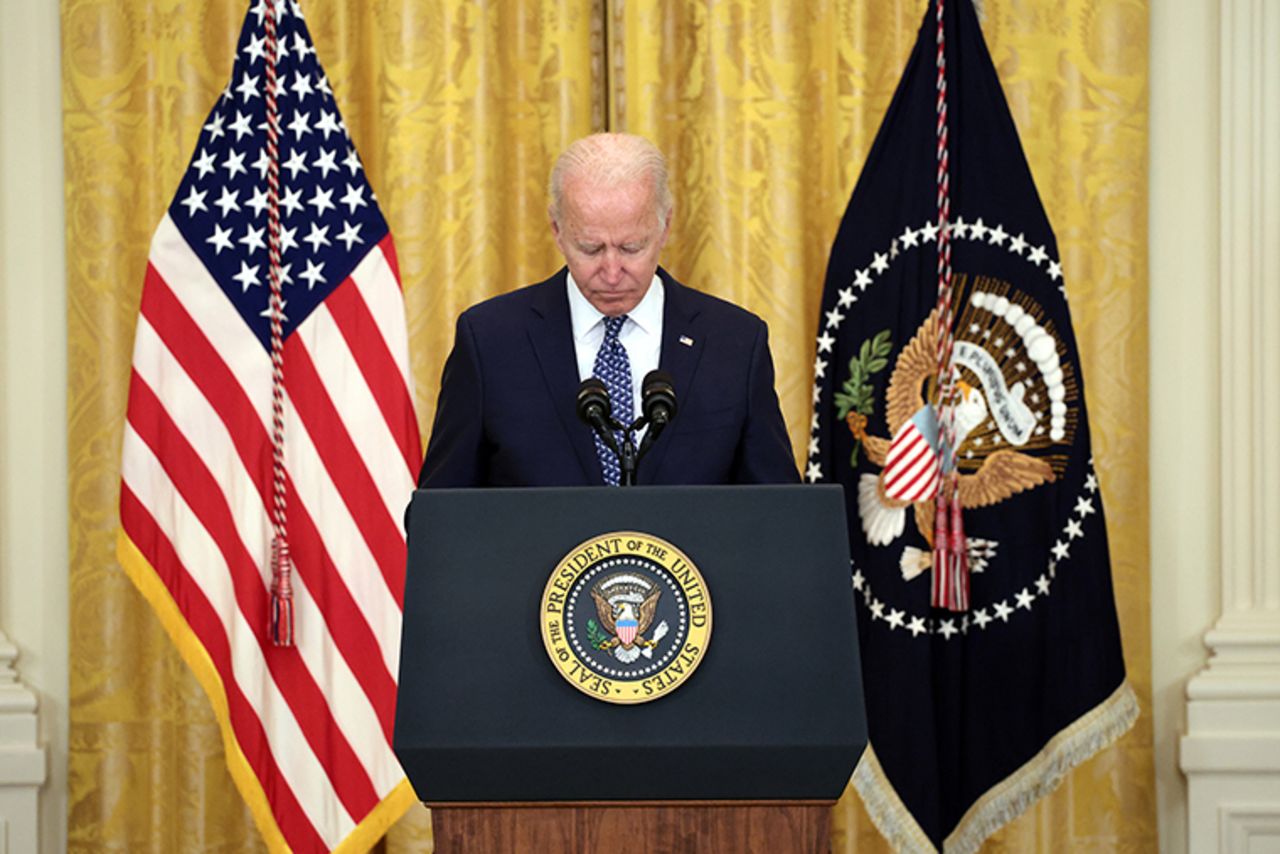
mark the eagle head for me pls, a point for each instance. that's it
(971, 410)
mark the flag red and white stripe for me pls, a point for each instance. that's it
(308, 727)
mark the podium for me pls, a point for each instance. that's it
(746, 753)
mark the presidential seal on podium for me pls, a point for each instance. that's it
(626, 617)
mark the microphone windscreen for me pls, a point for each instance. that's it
(593, 399)
(658, 396)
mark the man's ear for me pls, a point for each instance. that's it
(555, 226)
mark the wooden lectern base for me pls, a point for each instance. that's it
(706, 827)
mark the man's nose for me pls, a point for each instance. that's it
(613, 267)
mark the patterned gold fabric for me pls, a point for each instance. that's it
(766, 108)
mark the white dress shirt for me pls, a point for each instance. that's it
(641, 335)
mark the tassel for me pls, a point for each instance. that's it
(959, 548)
(950, 590)
(940, 594)
(281, 593)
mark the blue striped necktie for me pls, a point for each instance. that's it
(613, 367)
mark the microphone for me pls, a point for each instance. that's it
(594, 408)
(657, 405)
(658, 399)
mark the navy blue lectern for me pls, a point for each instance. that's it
(749, 751)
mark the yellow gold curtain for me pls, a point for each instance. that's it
(766, 108)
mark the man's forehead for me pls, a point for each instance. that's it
(642, 232)
(642, 226)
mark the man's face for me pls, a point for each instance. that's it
(610, 238)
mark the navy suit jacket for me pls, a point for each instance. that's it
(506, 413)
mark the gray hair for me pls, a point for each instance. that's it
(611, 160)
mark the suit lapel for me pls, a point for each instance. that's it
(682, 343)
(551, 334)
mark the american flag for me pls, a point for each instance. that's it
(307, 727)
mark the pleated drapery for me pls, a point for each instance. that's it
(766, 109)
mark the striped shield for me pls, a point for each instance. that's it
(627, 628)
(912, 467)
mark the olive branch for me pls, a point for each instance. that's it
(858, 393)
(596, 636)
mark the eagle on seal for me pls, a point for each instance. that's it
(883, 498)
(626, 605)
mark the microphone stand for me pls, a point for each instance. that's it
(593, 408)
(628, 459)
(629, 456)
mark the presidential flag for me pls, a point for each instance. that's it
(271, 445)
(959, 430)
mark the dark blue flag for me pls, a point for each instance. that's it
(972, 714)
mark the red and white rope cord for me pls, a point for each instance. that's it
(281, 618)
(950, 589)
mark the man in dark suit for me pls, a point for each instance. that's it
(506, 414)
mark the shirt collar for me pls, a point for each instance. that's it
(584, 316)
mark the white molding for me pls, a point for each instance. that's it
(1184, 330)
(34, 541)
(1232, 743)
(1249, 290)
(1245, 641)
(1230, 754)
(22, 760)
(1243, 825)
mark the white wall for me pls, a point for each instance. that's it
(1215, 417)
(33, 371)
(1184, 345)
